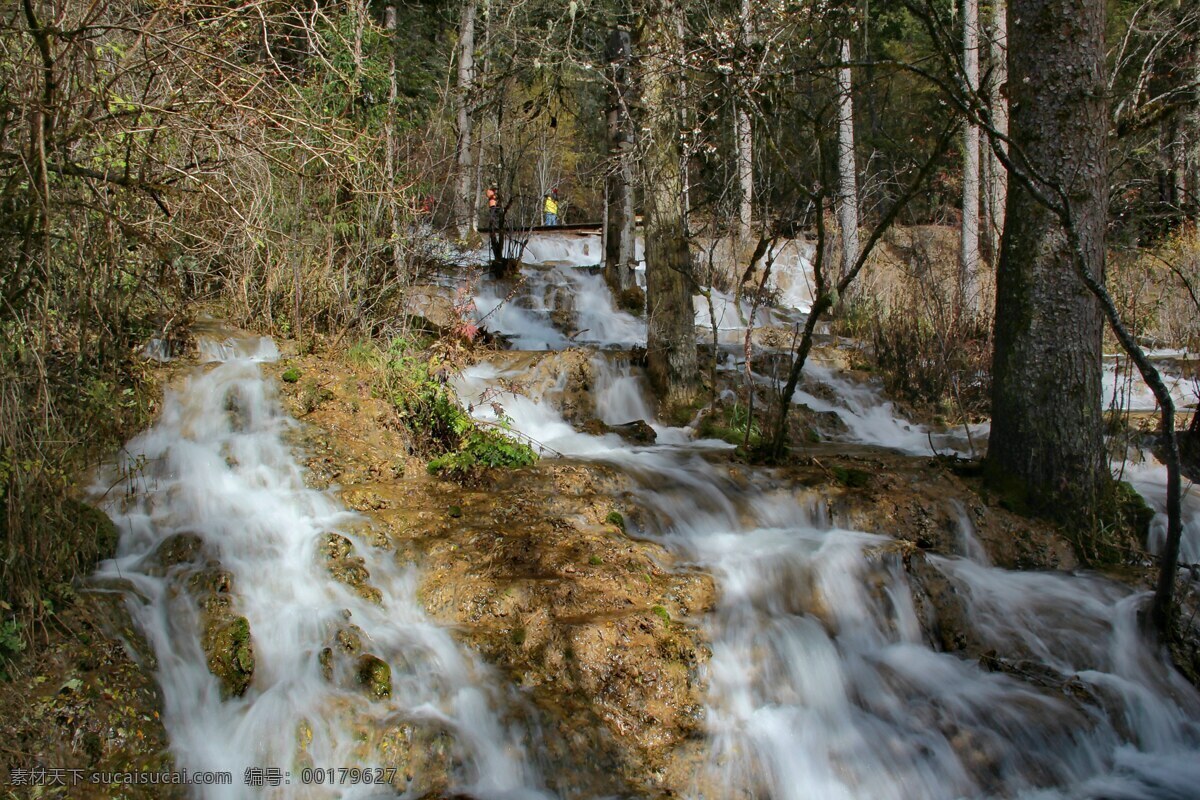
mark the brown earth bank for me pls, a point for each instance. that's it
(538, 570)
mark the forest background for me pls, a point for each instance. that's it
(295, 169)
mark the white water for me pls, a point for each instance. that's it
(557, 279)
(1125, 390)
(216, 465)
(1149, 477)
(822, 683)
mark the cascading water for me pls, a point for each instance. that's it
(215, 471)
(822, 683)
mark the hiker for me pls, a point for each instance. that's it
(550, 207)
(493, 201)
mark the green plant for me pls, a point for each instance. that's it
(417, 385)
(733, 424)
(483, 449)
(12, 642)
(290, 375)
(615, 518)
(363, 353)
(662, 614)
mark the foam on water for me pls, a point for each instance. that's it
(1148, 476)
(1124, 388)
(822, 683)
(216, 466)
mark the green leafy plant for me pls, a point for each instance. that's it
(418, 387)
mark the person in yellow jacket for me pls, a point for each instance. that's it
(550, 208)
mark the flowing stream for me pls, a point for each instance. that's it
(216, 466)
(822, 683)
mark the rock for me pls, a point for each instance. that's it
(374, 675)
(181, 548)
(434, 304)
(335, 547)
(347, 568)
(230, 654)
(638, 432)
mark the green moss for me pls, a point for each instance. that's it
(615, 518)
(375, 676)
(730, 424)
(851, 477)
(231, 655)
(662, 614)
(595, 561)
(517, 636)
(290, 375)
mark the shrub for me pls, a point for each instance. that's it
(417, 385)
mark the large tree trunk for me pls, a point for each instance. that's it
(464, 218)
(1046, 398)
(968, 251)
(847, 196)
(671, 345)
(619, 254)
(995, 176)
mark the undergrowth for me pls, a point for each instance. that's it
(417, 384)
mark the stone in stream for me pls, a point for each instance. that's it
(230, 653)
(347, 568)
(225, 638)
(180, 548)
(636, 432)
(374, 675)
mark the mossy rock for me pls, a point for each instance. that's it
(230, 652)
(374, 675)
(181, 548)
(209, 581)
(335, 547)
(94, 526)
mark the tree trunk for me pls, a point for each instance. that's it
(619, 254)
(744, 134)
(744, 137)
(1194, 140)
(968, 251)
(995, 176)
(671, 344)
(847, 198)
(463, 189)
(1046, 398)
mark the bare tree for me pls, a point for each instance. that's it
(847, 197)
(968, 253)
(744, 135)
(995, 191)
(464, 191)
(619, 255)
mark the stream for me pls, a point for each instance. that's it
(821, 682)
